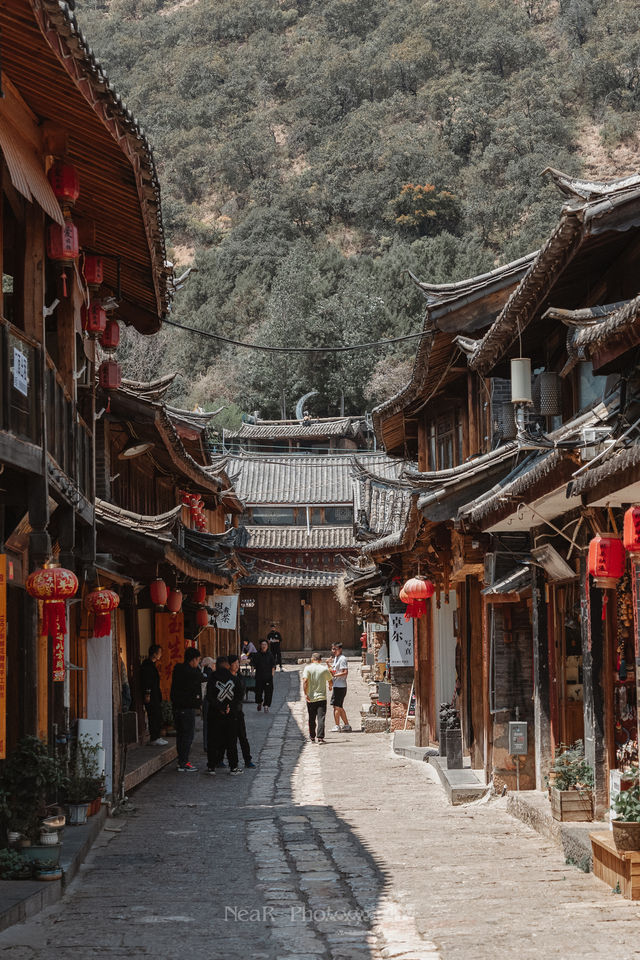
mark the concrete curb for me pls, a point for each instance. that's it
(532, 807)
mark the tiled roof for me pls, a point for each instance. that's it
(384, 508)
(296, 479)
(302, 580)
(298, 538)
(297, 429)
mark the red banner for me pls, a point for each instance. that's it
(170, 636)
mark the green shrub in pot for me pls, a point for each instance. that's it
(570, 769)
(30, 778)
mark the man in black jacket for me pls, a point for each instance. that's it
(186, 699)
(265, 667)
(151, 695)
(222, 734)
(236, 707)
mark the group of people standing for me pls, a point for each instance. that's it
(224, 695)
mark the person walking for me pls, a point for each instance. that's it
(265, 667)
(340, 671)
(315, 678)
(274, 639)
(207, 666)
(186, 699)
(236, 707)
(222, 734)
(151, 694)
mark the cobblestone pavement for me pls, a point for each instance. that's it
(337, 851)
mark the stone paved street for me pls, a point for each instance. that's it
(338, 851)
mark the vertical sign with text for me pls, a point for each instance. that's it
(3, 656)
(400, 641)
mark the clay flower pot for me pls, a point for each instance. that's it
(626, 834)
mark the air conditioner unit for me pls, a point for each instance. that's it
(593, 439)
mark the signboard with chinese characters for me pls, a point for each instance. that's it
(400, 641)
(20, 372)
(3, 656)
(170, 636)
(225, 610)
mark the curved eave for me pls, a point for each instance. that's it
(47, 58)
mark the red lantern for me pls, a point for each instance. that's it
(606, 560)
(111, 337)
(632, 531)
(62, 243)
(65, 183)
(174, 601)
(94, 318)
(402, 596)
(202, 617)
(159, 593)
(110, 375)
(101, 602)
(199, 593)
(418, 588)
(93, 270)
(53, 585)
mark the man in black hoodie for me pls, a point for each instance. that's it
(236, 707)
(152, 695)
(265, 666)
(186, 699)
(222, 734)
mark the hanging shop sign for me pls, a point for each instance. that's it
(225, 610)
(400, 641)
(169, 632)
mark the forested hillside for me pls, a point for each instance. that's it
(310, 151)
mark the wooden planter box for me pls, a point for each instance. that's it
(618, 869)
(571, 804)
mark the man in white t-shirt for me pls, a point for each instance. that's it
(339, 668)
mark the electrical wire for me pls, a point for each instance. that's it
(269, 349)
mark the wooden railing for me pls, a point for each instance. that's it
(21, 392)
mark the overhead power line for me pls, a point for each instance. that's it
(269, 349)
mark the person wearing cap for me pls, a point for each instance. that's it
(186, 699)
(339, 670)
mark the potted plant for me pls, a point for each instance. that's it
(13, 866)
(570, 782)
(85, 781)
(29, 779)
(626, 826)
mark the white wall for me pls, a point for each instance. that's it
(100, 695)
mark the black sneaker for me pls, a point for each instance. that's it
(250, 766)
(211, 771)
(188, 768)
(235, 773)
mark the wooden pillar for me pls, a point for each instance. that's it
(592, 673)
(422, 678)
(307, 636)
(34, 270)
(541, 691)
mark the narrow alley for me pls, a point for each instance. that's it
(339, 851)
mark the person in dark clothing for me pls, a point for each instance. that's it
(207, 666)
(274, 640)
(223, 728)
(265, 666)
(151, 694)
(186, 699)
(236, 706)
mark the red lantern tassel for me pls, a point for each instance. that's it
(54, 625)
(102, 624)
(415, 609)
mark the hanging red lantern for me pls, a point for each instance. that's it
(65, 183)
(53, 585)
(62, 243)
(110, 375)
(199, 593)
(632, 531)
(93, 270)
(202, 617)
(606, 560)
(101, 602)
(418, 588)
(402, 596)
(174, 601)
(159, 592)
(110, 338)
(94, 318)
